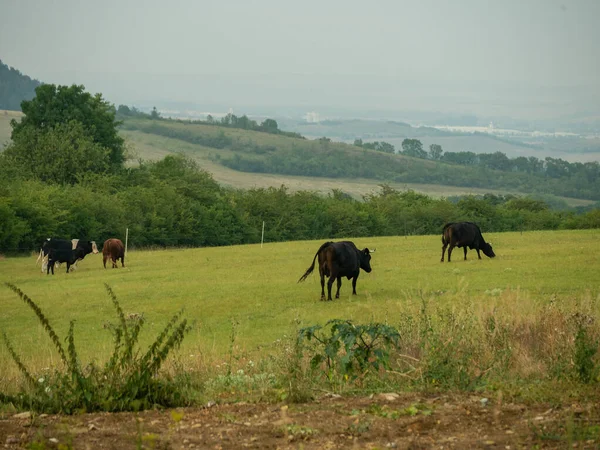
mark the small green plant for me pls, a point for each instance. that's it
(297, 432)
(351, 350)
(585, 350)
(128, 381)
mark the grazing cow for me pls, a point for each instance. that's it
(115, 250)
(464, 234)
(60, 255)
(337, 260)
(63, 244)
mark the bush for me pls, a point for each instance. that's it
(129, 381)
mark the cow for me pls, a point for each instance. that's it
(63, 244)
(60, 255)
(464, 234)
(115, 250)
(337, 260)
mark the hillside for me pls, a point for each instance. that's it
(15, 87)
(264, 153)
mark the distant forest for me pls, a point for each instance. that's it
(15, 87)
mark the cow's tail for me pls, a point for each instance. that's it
(40, 257)
(446, 233)
(312, 267)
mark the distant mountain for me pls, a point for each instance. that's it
(15, 87)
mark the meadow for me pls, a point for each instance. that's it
(245, 300)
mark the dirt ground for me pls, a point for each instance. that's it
(382, 421)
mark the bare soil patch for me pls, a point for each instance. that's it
(380, 421)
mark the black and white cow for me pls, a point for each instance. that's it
(49, 244)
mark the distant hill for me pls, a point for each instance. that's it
(15, 87)
(263, 153)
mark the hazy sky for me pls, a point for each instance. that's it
(522, 58)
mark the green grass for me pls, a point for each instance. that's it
(257, 287)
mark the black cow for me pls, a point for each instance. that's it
(60, 255)
(337, 260)
(64, 244)
(464, 234)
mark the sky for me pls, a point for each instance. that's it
(519, 58)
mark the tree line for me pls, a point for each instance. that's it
(230, 120)
(549, 167)
(173, 202)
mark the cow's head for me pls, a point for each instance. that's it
(487, 250)
(365, 259)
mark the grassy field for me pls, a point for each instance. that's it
(254, 290)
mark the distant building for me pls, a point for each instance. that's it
(312, 117)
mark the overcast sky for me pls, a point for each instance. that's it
(522, 58)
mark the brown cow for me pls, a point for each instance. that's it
(113, 249)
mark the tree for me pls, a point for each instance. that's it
(435, 151)
(62, 154)
(154, 114)
(55, 105)
(270, 126)
(413, 147)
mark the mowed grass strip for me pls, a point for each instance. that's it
(257, 289)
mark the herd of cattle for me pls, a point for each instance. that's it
(343, 259)
(59, 251)
(336, 259)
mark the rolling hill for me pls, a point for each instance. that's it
(244, 158)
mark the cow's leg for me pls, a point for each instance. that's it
(68, 266)
(339, 285)
(478, 254)
(114, 262)
(450, 251)
(354, 284)
(444, 251)
(322, 283)
(122, 260)
(329, 284)
(465, 249)
(49, 267)
(104, 258)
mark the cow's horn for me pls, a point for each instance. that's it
(371, 251)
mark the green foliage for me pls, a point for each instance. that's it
(63, 154)
(173, 202)
(350, 350)
(56, 105)
(126, 382)
(413, 147)
(586, 348)
(435, 151)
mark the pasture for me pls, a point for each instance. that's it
(252, 292)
